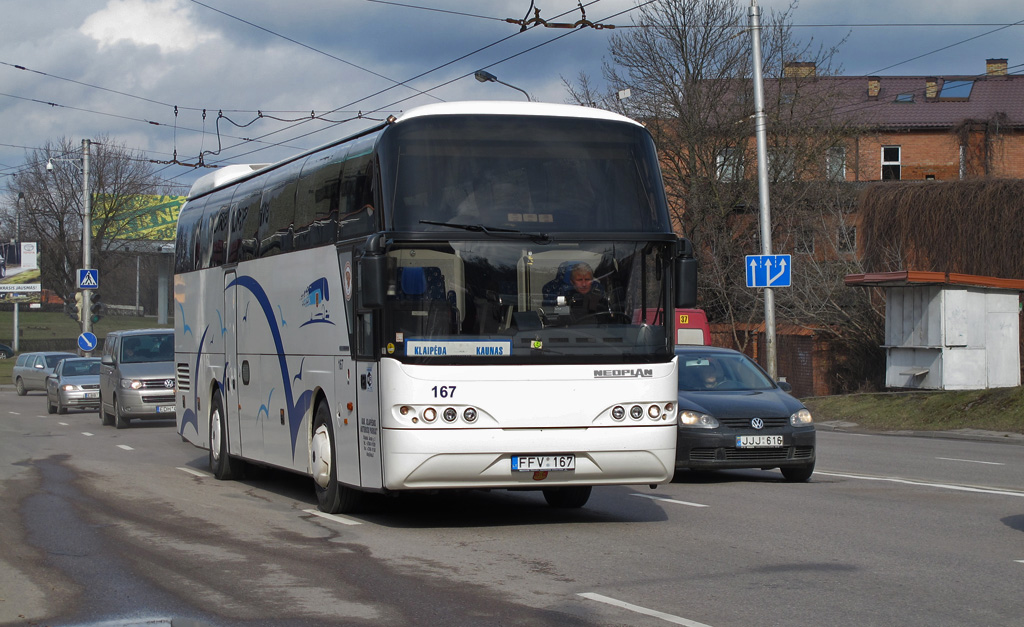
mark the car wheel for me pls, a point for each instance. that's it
(798, 474)
(120, 420)
(220, 462)
(49, 406)
(19, 385)
(60, 407)
(574, 496)
(331, 496)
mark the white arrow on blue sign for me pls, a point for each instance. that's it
(769, 271)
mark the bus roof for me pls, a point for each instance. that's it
(231, 173)
(501, 107)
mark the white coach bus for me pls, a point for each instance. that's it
(396, 311)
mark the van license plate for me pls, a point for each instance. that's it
(535, 463)
(165, 409)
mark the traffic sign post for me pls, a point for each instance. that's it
(87, 342)
(769, 270)
(88, 279)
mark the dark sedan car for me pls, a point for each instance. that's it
(75, 383)
(6, 351)
(732, 415)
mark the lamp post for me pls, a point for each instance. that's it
(86, 229)
(486, 77)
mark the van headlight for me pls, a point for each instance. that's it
(133, 384)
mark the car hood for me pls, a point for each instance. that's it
(740, 404)
(83, 379)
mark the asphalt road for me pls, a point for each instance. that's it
(128, 527)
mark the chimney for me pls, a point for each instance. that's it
(799, 69)
(874, 86)
(931, 88)
(995, 67)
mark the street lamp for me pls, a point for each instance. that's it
(486, 77)
(86, 228)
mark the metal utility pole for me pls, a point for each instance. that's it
(86, 236)
(765, 214)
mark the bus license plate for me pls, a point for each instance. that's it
(536, 463)
(759, 441)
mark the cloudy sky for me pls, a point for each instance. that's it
(143, 71)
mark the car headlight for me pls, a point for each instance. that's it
(67, 387)
(134, 384)
(697, 420)
(801, 418)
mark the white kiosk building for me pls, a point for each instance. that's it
(947, 331)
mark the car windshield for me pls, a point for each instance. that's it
(147, 348)
(80, 368)
(53, 360)
(717, 371)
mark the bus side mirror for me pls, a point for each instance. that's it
(686, 276)
(371, 272)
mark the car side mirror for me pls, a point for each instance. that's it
(784, 386)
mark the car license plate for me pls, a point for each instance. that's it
(92, 395)
(759, 441)
(536, 463)
(165, 409)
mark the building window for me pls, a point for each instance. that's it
(890, 163)
(847, 242)
(730, 165)
(780, 165)
(904, 97)
(835, 163)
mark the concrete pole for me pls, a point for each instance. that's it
(765, 214)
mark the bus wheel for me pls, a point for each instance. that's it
(220, 462)
(574, 496)
(331, 496)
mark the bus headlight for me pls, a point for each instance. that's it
(654, 412)
(469, 415)
(429, 414)
(450, 415)
(636, 412)
(618, 412)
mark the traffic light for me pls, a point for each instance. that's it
(97, 308)
(75, 311)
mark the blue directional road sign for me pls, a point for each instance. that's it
(769, 271)
(88, 279)
(87, 341)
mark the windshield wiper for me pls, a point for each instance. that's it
(494, 231)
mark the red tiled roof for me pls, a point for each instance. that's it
(919, 277)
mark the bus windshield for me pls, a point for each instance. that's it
(553, 175)
(509, 301)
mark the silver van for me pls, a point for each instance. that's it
(137, 378)
(31, 369)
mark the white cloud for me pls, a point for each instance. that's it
(163, 23)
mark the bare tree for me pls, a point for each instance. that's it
(687, 66)
(51, 206)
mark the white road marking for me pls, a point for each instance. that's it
(14, 413)
(87, 434)
(125, 447)
(338, 519)
(63, 424)
(667, 500)
(677, 620)
(925, 484)
(1019, 561)
(970, 461)
(193, 472)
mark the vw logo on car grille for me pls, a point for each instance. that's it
(169, 383)
(757, 423)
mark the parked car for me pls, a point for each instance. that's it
(732, 415)
(31, 370)
(75, 383)
(6, 351)
(137, 376)
(3, 267)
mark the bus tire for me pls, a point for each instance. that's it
(331, 496)
(571, 496)
(220, 462)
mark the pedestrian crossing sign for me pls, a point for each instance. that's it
(88, 279)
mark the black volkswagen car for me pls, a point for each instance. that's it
(732, 415)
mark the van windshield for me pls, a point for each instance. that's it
(147, 348)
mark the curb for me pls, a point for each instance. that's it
(977, 435)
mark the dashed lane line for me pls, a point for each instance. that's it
(671, 618)
(337, 519)
(668, 500)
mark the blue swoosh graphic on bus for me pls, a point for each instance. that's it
(284, 322)
(314, 322)
(185, 329)
(220, 323)
(264, 409)
(295, 407)
(189, 416)
(298, 377)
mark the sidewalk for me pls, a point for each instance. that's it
(955, 434)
